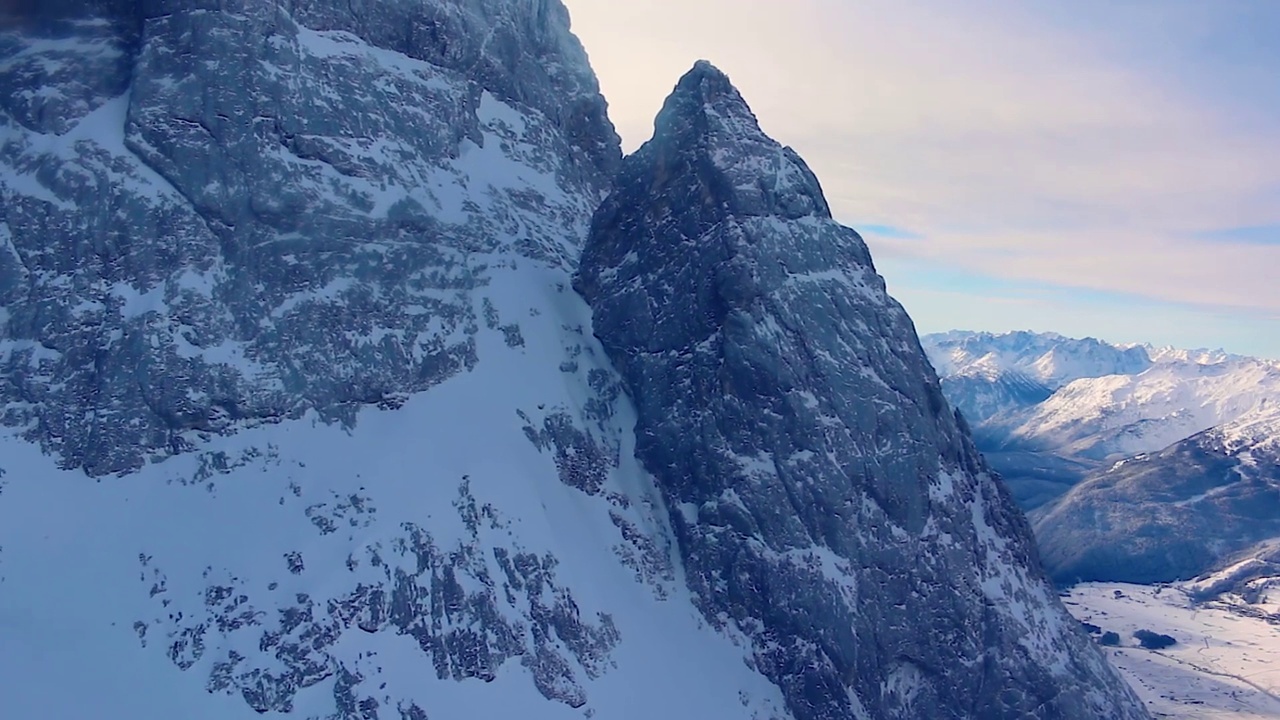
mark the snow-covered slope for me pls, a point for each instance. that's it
(470, 554)
(1125, 414)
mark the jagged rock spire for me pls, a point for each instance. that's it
(828, 503)
(705, 117)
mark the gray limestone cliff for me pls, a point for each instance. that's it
(828, 503)
(218, 213)
(222, 216)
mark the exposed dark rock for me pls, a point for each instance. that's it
(468, 632)
(1153, 640)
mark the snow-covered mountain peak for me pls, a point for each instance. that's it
(1086, 358)
(1201, 356)
(1048, 358)
(1106, 399)
(706, 115)
(803, 446)
(989, 366)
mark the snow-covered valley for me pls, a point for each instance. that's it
(1224, 666)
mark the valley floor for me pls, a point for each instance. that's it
(1226, 663)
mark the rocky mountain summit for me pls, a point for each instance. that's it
(305, 417)
(826, 501)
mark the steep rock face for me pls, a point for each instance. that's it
(521, 52)
(292, 280)
(216, 215)
(827, 503)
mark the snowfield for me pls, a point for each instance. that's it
(1225, 665)
(118, 583)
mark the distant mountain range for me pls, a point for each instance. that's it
(1135, 463)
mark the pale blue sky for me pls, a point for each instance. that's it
(1095, 168)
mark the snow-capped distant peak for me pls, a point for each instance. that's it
(1049, 358)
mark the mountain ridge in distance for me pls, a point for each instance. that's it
(1175, 465)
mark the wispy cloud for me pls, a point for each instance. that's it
(891, 232)
(1255, 235)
